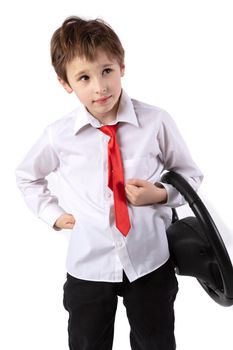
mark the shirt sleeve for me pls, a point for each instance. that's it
(31, 174)
(176, 157)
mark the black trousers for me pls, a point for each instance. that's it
(149, 305)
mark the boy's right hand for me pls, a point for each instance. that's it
(65, 221)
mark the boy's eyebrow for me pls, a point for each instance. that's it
(80, 73)
(83, 72)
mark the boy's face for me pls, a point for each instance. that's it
(97, 84)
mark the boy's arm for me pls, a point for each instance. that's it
(176, 157)
(31, 174)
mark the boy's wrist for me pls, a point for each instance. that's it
(162, 195)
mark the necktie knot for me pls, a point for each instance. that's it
(109, 130)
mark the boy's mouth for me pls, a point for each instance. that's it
(103, 100)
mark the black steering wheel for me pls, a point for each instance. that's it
(196, 246)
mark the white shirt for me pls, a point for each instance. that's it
(77, 152)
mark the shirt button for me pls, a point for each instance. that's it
(119, 244)
(108, 195)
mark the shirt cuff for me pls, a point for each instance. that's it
(51, 213)
(174, 198)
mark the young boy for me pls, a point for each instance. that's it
(109, 154)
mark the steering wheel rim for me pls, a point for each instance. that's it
(223, 293)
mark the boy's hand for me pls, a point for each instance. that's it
(65, 221)
(142, 192)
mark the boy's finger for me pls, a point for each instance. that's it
(136, 182)
(70, 218)
(69, 225)
(130, 189)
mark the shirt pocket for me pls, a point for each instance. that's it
(137, 167)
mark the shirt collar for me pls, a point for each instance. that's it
(125, 113)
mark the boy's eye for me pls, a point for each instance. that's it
(107, 70)
(83, 77)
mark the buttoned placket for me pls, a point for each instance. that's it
(108, 195)
(122, 257)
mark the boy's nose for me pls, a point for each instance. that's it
(100, 88)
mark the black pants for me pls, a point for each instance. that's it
(149, 305)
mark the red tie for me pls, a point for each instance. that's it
(116, 180)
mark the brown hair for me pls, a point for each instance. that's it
(79, 37)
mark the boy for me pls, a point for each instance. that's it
(109, 155)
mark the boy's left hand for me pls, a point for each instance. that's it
(142, 192)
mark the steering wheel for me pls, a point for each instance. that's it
(196, 246)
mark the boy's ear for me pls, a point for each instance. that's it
(122, 66)
(65, 85)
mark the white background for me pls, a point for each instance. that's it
(179, 57)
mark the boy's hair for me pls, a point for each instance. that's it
(79, 37)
